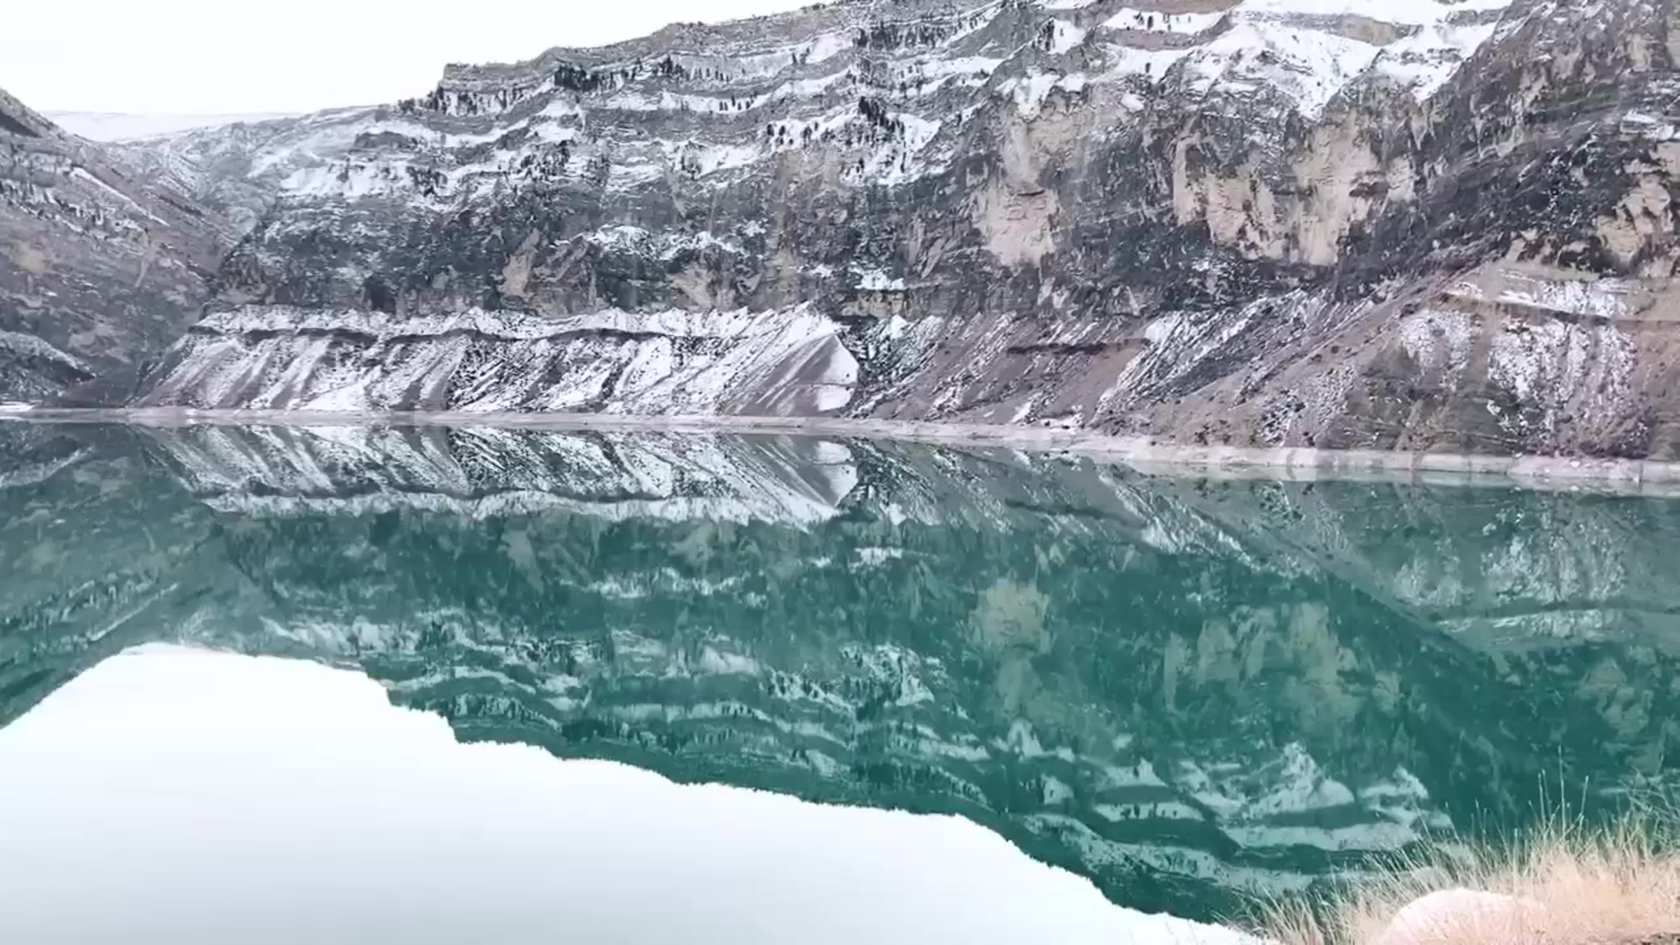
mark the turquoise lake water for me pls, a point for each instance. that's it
(1188, 691)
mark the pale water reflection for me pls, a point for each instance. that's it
(184, 796)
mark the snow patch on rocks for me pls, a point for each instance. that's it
(1556, 370)
(1064, 36)
(1439, 341)
(1424, 61)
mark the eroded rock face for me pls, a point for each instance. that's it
(1418, 225)
(98, 270)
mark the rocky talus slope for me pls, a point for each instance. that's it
(99, 270)
(1183, 690)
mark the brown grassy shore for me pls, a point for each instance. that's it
(1566, 885)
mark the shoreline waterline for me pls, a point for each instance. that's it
(1147, 457)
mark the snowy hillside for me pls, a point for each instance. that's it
(1212, 222)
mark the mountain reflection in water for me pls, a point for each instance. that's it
(1186, 690)
(201, 798)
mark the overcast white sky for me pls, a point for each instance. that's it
(220, 57)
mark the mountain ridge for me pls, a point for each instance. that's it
(99, 270)
(1333, 223)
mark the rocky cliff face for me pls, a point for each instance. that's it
(99, 270)
(1342, 223)
(1183, 690)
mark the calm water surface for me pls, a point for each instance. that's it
(1184, 692)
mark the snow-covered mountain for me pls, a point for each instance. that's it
(1348, 223)
(1330, 222)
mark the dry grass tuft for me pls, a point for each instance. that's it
(1566, 885)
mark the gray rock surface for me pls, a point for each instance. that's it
(99, 269)
(1334, 223)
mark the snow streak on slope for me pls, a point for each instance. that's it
(771, 363)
